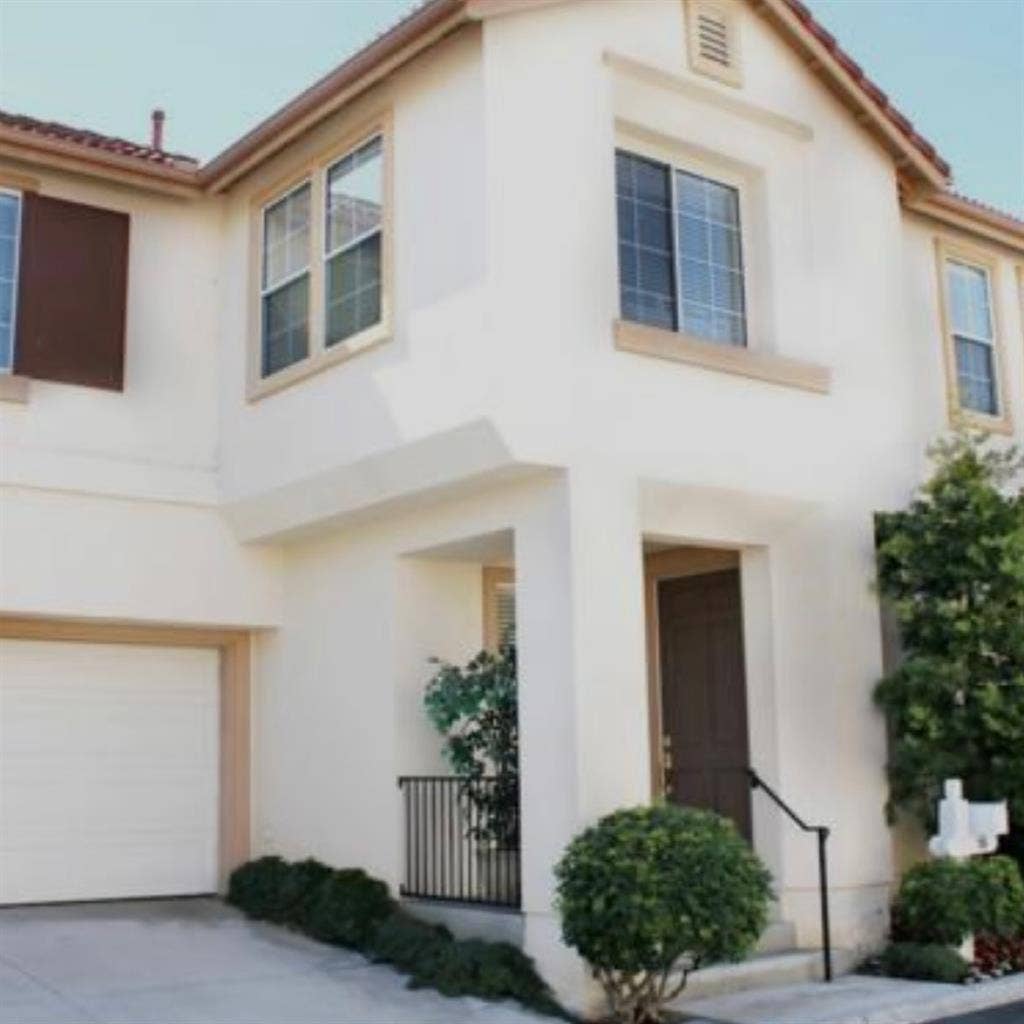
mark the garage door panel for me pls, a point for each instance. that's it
(109, 763)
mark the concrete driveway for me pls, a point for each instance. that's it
(198, 962)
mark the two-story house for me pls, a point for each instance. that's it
(623, 319)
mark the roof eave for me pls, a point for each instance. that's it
(95, 162)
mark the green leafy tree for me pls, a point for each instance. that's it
(475, 708)
(952, 568)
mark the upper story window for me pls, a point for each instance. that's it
(970, 316)
(973, 357)
(324, 251)
(10, 231)
(680, 251)
(285, 294)
(355, 187)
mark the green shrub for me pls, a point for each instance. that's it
(997, 896)
(408, 944)
(347, 908)
(923, 962)
(487, 970)
(299, 892)
(255, 888)
(933, 904)
(651, 893)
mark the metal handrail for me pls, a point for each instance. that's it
(823, 832)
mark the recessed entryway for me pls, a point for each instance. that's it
(698, 680)
(123, 761)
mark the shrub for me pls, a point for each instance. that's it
(997, 897)
(923, 962)
(410, 945)
(933, 904)
(347, 908)
(255, 888)
(651, 893)
(487, 970)
(299, 891)
(992, 954)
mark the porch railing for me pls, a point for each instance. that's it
(822, 832)
(461, 839)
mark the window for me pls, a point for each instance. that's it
(499, 606)
(10, 230)
(285, 281)
(352, 242)
(324, 263)
(968, 281)
(970, 318)
(680, 251)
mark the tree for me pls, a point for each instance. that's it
(476, 709)
(952, 568)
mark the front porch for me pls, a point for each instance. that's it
(668, 640)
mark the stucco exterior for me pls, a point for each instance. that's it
(344, 520)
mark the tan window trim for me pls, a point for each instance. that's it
(641, 339)
(725, 12)
(494, 577)
(946, 250)
(320, 356)
(13, 388)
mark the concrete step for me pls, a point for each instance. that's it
(766, 970)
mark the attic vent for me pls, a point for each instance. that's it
(713, 39)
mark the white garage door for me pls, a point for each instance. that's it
(108, 771)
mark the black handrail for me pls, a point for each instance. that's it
(756, 782)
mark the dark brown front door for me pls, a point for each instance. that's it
(704, 693)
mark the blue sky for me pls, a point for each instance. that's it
(955, 67)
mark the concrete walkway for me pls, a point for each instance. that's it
(855, 999)
(199, 962)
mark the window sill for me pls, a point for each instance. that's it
(13, 388)
(683, 348)
(959, 417)
(321, 360)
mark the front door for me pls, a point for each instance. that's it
(704, 694)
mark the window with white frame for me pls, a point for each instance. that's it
(10, 230)
(680, 251)
(352, 242)
(970, 320)
(285, 281)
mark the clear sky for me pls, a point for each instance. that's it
(955, 67)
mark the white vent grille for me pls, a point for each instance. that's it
(713, 38)
(712, 30)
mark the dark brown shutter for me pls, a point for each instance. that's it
(72, 287)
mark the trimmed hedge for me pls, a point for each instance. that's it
(350, 908)
(997, 897)
(923, 962)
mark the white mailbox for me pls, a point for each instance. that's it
(966, 829)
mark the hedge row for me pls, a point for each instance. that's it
(351, 909)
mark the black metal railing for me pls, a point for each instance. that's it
(756, 782)
(461, 839)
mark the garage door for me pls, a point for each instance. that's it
(108, 771)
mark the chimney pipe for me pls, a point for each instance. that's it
(157, 138)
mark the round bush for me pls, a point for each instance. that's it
(655, 891)
(347, 908)
(933, 904)
(996, 897)
(298, 892)
(919, 962)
